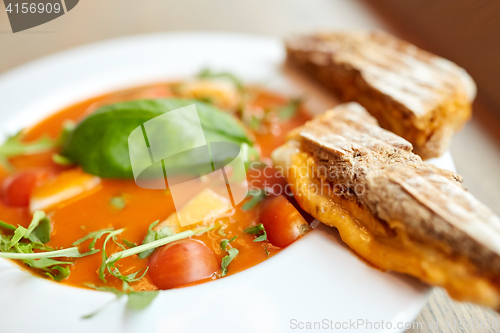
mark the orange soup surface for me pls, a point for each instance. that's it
(93, 210)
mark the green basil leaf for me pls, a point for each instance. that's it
(99, 143)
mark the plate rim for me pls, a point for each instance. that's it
(23, 71)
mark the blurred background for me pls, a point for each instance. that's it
(465, 31)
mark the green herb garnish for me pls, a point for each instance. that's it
(71, 252)
(94, 235)
(38, 231)
(153, 235)
(67, 128)
(225, 242)
(99, 143)
(255, 123)
(128, 243)
(61, 274)
(61, 160)
(256, 195)
(104, 254)
(227, 260)
(288, 111)
(209, 74)
(257, 230)
(7, 226)
(23, 241)
(118, 202)
(14, 146)
(157, 243)
(137, 300)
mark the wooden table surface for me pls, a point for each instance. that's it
(475, 149)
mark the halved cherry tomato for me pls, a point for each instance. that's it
(282, 221)
(16, 189)
(180, 263)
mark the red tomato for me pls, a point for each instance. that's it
(181, 262)
(16, 189)
(282, 222)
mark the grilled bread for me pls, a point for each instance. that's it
(415, 94)
(396, 211)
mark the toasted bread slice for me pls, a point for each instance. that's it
(415, 94)
(393, 209)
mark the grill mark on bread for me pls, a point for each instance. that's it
(429, 202)
(411, 92)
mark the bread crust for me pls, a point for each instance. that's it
(429, 203)
(413, 93)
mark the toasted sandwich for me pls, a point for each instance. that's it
(415, 94)
(394, 210)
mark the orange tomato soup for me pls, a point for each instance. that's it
(93, 211)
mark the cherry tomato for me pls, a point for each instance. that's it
(282, 221)
(181, 262)
(16, 189)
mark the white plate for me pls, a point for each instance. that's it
(316, 279)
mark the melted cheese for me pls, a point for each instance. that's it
(387, 246)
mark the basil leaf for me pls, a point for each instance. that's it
(227, 260)
(99, 143)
